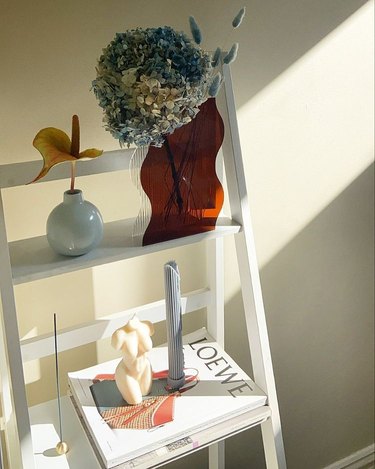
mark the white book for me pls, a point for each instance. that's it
(221, 391)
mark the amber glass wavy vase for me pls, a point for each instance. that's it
(180, 179)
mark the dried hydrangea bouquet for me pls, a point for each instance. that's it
(157, 88)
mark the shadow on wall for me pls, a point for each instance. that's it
(318, 293)
(279, 34)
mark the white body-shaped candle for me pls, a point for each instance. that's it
(176, 375)
(133, 374)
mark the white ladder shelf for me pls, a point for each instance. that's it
(31, 259)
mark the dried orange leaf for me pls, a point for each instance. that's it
(54, 146)
(90, 153)
(52, 137)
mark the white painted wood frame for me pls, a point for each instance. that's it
(14, 270)
(15, 415)
(250, 281)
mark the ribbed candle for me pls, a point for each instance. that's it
(176, 375)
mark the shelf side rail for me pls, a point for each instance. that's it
(15, 415)
(250, 281)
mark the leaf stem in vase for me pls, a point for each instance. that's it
(72, 175)
(74, 149)
(176, 182)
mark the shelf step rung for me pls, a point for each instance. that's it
(43, 345)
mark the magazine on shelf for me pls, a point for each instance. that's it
(216, 389)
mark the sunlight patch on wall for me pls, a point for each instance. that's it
(309, 133)
(31, 368)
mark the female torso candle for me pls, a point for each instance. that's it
(176, 375)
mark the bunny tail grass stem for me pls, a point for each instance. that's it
(216, 57)
(232, 54)
(237, 20)
(195, 31)
(176, 183)
(215, 85)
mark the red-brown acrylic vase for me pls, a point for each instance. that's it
(180, 179)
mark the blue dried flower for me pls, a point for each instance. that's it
(150, 82)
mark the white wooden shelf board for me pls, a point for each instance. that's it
(33, 259)
(19, 174)
(44, 427)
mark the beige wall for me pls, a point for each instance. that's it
(303, 82)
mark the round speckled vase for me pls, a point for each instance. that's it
(75, 226)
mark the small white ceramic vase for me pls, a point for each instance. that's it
(75, 226)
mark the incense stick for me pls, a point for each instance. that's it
(61, 446)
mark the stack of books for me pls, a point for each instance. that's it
(128, 436)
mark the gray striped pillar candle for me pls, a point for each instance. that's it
(176, 375)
